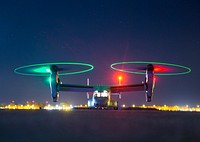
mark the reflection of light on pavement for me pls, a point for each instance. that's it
(58, 107)
(70, 107)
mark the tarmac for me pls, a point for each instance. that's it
(98, 126)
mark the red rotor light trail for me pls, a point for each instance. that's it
(158, 68)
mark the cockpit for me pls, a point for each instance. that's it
(103, 94)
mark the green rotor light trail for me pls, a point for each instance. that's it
(44, 69)
(167, 68)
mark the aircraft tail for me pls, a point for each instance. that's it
(88, 83)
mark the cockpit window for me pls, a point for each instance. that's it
(101, 94)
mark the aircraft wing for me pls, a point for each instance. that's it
(127, 88)
(76, 88)
(112, 89)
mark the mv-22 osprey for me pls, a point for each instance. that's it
(101, 97)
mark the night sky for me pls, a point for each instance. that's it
(100, 32)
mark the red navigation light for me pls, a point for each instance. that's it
(120, 77)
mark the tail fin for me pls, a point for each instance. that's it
(54, 83)
(88, 83)
(149, 82)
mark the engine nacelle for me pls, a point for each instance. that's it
(54, 84)
(149, 82)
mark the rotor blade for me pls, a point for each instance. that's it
(63, 69)
(53, 68)
(141, 68)
(57, 68)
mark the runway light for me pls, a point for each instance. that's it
(123, 105)
(133, 105)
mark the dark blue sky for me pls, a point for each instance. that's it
(100, 32)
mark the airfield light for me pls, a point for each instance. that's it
(133, 105)
(123, 105)
(197, 105)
